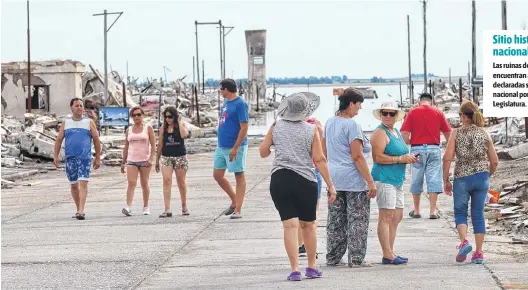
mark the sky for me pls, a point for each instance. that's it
(360, 39)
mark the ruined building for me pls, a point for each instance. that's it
(53, 85)
(256, 86)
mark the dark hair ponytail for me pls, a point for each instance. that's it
(350, 95)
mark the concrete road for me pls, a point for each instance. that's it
(44, 248)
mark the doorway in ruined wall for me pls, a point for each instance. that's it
(40, 98)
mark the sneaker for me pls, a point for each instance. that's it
(313, 273)
(126, 211)
(236, 215)
(463, 250)
(80, 216)
(302, 250)
(478, 258)
(146, 211)
(294, 276)
(229, 210)
(396, 261)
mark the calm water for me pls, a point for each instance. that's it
(329, 105)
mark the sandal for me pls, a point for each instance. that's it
(434, 216)
(185, 212)
(165, 214)
(363, 264)
(416, 216)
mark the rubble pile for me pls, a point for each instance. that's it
(509, 216)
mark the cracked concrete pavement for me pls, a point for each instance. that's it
(44, 248)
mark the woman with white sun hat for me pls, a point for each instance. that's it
(391, 156)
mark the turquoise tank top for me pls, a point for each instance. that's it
(391, 173)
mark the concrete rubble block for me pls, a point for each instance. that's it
(515, 152)
(36, 143)
(114, 154)
(112, 162)
(10, 149)
(8, 162)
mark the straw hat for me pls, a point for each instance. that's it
(389, 105)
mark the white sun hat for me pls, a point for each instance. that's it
(389, 105)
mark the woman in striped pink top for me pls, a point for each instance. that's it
(138, 153)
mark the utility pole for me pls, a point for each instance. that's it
(224, 34)
(474, 50)
(424, 2)
(411, 94)
(28, 64)
(196, 23)
(105, 14)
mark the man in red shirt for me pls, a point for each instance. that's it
(424, 124)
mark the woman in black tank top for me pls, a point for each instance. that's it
(171, 150)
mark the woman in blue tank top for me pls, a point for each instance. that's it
(391, 156)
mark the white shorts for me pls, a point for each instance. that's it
(389, 196)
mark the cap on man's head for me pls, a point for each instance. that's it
(426, 96)
(229, 84)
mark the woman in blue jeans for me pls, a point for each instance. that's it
(476, 161)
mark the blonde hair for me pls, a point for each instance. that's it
(472, 111)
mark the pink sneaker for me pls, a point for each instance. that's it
(478, 258)
(463, 250)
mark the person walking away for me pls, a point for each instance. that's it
(476, 161)
(231, 151)
(173, 154)
(293, 185)
(319, 127)
(346, 148)
(78, 132)
(391, 156)
(140, 146)
(424, 124)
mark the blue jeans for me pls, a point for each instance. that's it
(319, 183)
(476, 187)
(429, 166)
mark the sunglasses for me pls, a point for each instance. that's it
(392, 114)
(137, 115)
(168, 116)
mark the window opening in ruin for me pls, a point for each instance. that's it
(39, 98)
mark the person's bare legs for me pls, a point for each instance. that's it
(479, 241)
(83, 192)
(166, 171)
(75, 195)
(132, 176)
(384, 221)
(219, 176)
(182, 187)
(397, 216)
(240, 191)
(433, 197)
(300, 238)
(416, 202)
(462, 232)
(144, 173)
(290, 242)
(310, 241)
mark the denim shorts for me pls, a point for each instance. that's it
(137, 164)
(428, 166)
(77, 169)
(221, 159)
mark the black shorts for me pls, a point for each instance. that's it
(293, 195)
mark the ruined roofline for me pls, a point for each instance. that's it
(49, 66)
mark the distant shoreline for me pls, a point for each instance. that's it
(370, 84)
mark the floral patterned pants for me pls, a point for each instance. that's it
(347, 227)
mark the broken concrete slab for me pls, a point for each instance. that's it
(515, 152)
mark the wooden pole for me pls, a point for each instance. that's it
(460, 89)
(401, 96)
(197, 107)
(411, 97)
(474, 50)
(29, 63)
(424, 2)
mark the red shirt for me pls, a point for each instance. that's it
(425, 124)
